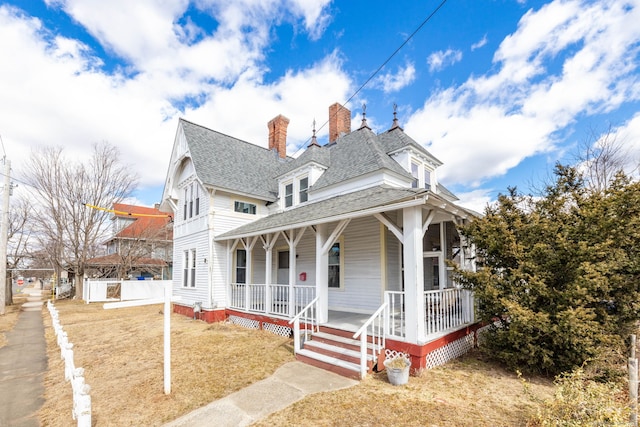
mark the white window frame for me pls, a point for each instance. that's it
(189, 268)
(304, 190)
(340, 243)
(237, 202)
(422, 174)
(286, 195)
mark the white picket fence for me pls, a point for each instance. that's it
(122, 290)
(81, 398)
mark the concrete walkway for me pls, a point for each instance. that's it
(290, 383)
(23, 362)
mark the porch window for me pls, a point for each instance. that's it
(243, 207)
(334, 266)
(304, 187)
(288, 195)
(241, 266)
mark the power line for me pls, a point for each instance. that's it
(424, 22)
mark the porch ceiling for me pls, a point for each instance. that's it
(352, 205)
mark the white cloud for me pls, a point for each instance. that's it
(64, 98)
(393, 82)
(480, 43)
(490, 123)
(443, 58)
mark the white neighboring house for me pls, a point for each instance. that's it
(360, 228)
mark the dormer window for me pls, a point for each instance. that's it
(288, 195)
(421, 175)
(415, 171)
(295, 191)
(304, 186)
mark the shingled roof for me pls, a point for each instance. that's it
(232, 164)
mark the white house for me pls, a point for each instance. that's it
(350, 238)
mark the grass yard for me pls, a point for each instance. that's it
(10, 317)
(121, 351)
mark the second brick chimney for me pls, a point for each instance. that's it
(278, 135)
(339, 122)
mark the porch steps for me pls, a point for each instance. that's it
(334, 353)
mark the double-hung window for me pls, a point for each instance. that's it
(241, 266)
(189, 268)
(303, 195)
(288, 195)
(186, 194)
(415, 172)
(197, 199)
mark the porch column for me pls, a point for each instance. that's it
(268, 256)
(322, 274)
(292, 271)
(413, 273)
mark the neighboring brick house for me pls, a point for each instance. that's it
(140, 246)
(357, 231)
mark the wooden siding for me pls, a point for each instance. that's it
(362, 291)
(199, 293)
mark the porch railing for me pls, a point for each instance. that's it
(309, 318)
(447, 309)
(376, 328)
(277, 301)
(396, 327)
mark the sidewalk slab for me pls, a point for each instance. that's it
(23, 363)
(290, 383)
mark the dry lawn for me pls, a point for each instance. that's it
(10, 317)
(121, 351)
(465, 392)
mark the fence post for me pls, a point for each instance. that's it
(633, 383)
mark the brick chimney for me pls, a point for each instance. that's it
(278, 134)
(339, 122)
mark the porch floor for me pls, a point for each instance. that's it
(346, 321)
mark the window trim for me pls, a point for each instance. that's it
(189, 268)
(236, 268)
(340, 242)
(304, 190)
(288, 197)
(237, 203)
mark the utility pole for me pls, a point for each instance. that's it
(4, 234)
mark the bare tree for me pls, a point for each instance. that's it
(70, 231)
(18, 239)
(601, 156)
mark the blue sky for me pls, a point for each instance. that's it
(499, 90)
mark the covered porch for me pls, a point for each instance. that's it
(372, 265)
(446, 310)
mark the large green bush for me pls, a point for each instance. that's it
(559, 274)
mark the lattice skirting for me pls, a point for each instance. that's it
(450, 351)
(283, 331)
(244, 322)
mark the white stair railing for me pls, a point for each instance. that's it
(376, 327)
(308, 315)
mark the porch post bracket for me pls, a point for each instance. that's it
(397, 231)
(427, 222)
(334, 236)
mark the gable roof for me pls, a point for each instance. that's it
(231, 164)
(147, 223)
(356, 154)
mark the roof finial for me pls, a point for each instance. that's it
(395, 118)
(364, 117)
(314, 141)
